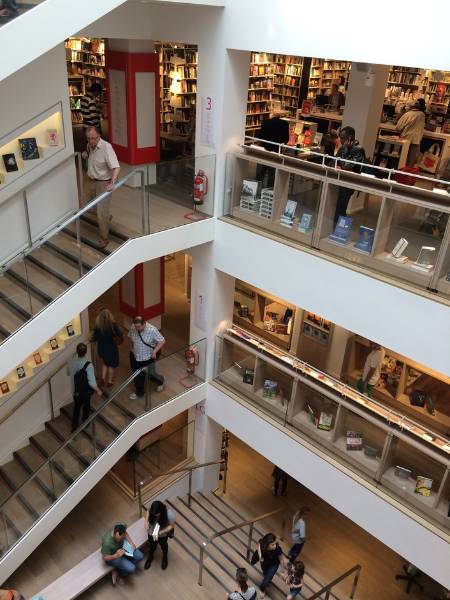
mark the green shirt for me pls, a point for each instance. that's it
(109, 544)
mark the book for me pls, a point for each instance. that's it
(354, 440)
(342, 230)
(423, 485)
(128, 549)
(305, 224)
(52, 137)
(9, 160)
(399, 248)
(402, 472)
(37, 358)
(365, 240)
(21, 374)
(54, 344)
(70, 330)
(311, 414)
(325, 421)
(270, 388)
(249, 376)
(287, 218)
(29, 148)
(4, 387)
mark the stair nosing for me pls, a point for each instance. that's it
(30, 471)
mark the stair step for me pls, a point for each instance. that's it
(40, 280)
(18, 297)
(67, 465)
(34, 459)
(67, 243)
(72, 447)
(112, 415)
(92, 220)
(15, 511)
(104, 436)
(56, 262)
(24, 277)
(36, 500)
(10, 319)
(71, 256)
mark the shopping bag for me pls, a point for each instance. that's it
(403, 177)
(430, 159)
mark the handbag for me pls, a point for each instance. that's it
(430, 159)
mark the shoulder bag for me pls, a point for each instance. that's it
(158, 354)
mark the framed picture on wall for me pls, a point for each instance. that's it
(54, 344)
(4, 387)
(70, 330)
(37, 358)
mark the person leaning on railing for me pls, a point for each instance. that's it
(349, 149)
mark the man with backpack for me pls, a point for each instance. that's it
(83, 384)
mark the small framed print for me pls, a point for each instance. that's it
(21, 374)
(4, 387)
(54, 344)
(37, 358)
(70, 330)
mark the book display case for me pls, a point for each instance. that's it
(29, 147)
(13, 381)
(324, 72)
(380, 215)
(85, 59)
(404, 458)
(178, 87)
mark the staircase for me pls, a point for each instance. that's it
(29, 285)
(210, 513)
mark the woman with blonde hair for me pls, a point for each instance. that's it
(108, 336)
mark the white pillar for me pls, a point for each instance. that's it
(364, 102)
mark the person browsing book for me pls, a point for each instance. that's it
(372, 369)
(159, 524)
(103, 170)
(120, 552)
(411, 126)
(146, 342)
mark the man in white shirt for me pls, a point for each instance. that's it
(103, 171)
(372, 369)
(146, 342)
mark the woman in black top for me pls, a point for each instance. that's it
(108, 335)
(270, 554)
(163, 519)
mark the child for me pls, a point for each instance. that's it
(294, 578)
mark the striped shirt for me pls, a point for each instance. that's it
(90, 111)
(150, 335)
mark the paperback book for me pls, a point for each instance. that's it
(249, 376)
(270, 388)
(342, 229)
(287, 218)
(250, 193)
(423, 486)
(305, 224)
(365, 240)
(52, 137)
(9, 160)
(354, 440)
(325, 421)
(29, 148)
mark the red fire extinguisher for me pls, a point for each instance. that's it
(192, 359)
(200, 187)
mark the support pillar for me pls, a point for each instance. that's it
(141, 291)
(364, 102)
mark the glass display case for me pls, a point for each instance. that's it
(396, 454)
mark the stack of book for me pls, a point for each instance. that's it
(266, 206)
(288, 216)
(250, 199)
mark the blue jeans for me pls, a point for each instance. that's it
(126, 565)
(268, 574)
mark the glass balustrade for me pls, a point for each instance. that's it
(60, 459)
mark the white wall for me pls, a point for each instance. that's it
(407, 323)
(367, 507)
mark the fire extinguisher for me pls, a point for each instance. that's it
(200, 187)
(192, 359)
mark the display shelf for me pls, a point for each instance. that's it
(405, 489)
(369, 464)
(303, 422)
(324, 72)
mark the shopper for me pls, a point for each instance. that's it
(108, 336)
(146, 342)
(411, 126)
(298, 533)
(279, 478)
(103, 171)
(160, 524)
(89, 107)
(294, 578)
(9, 10)
(120, 552)
(244, 591)
(372, 369)
(348, 150)
(11, 595)
(83, 385)
(337, 98)
(269, 554)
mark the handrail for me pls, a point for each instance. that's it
(337, 159)
(189, 469)
(84, 426)
(240, 525)
(67, 221)
(327, 588)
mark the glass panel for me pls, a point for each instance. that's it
(180, 192)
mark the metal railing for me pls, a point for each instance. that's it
(188, 470)
(251, 523)
(328, 588)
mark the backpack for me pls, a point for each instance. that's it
(80, 381)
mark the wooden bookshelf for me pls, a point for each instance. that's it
(324, 72)
(85, 58)
(178, 87)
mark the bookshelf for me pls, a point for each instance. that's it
(407, 84)
(85, 58)
(178, 87)
(324, 72)
(274, 82)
